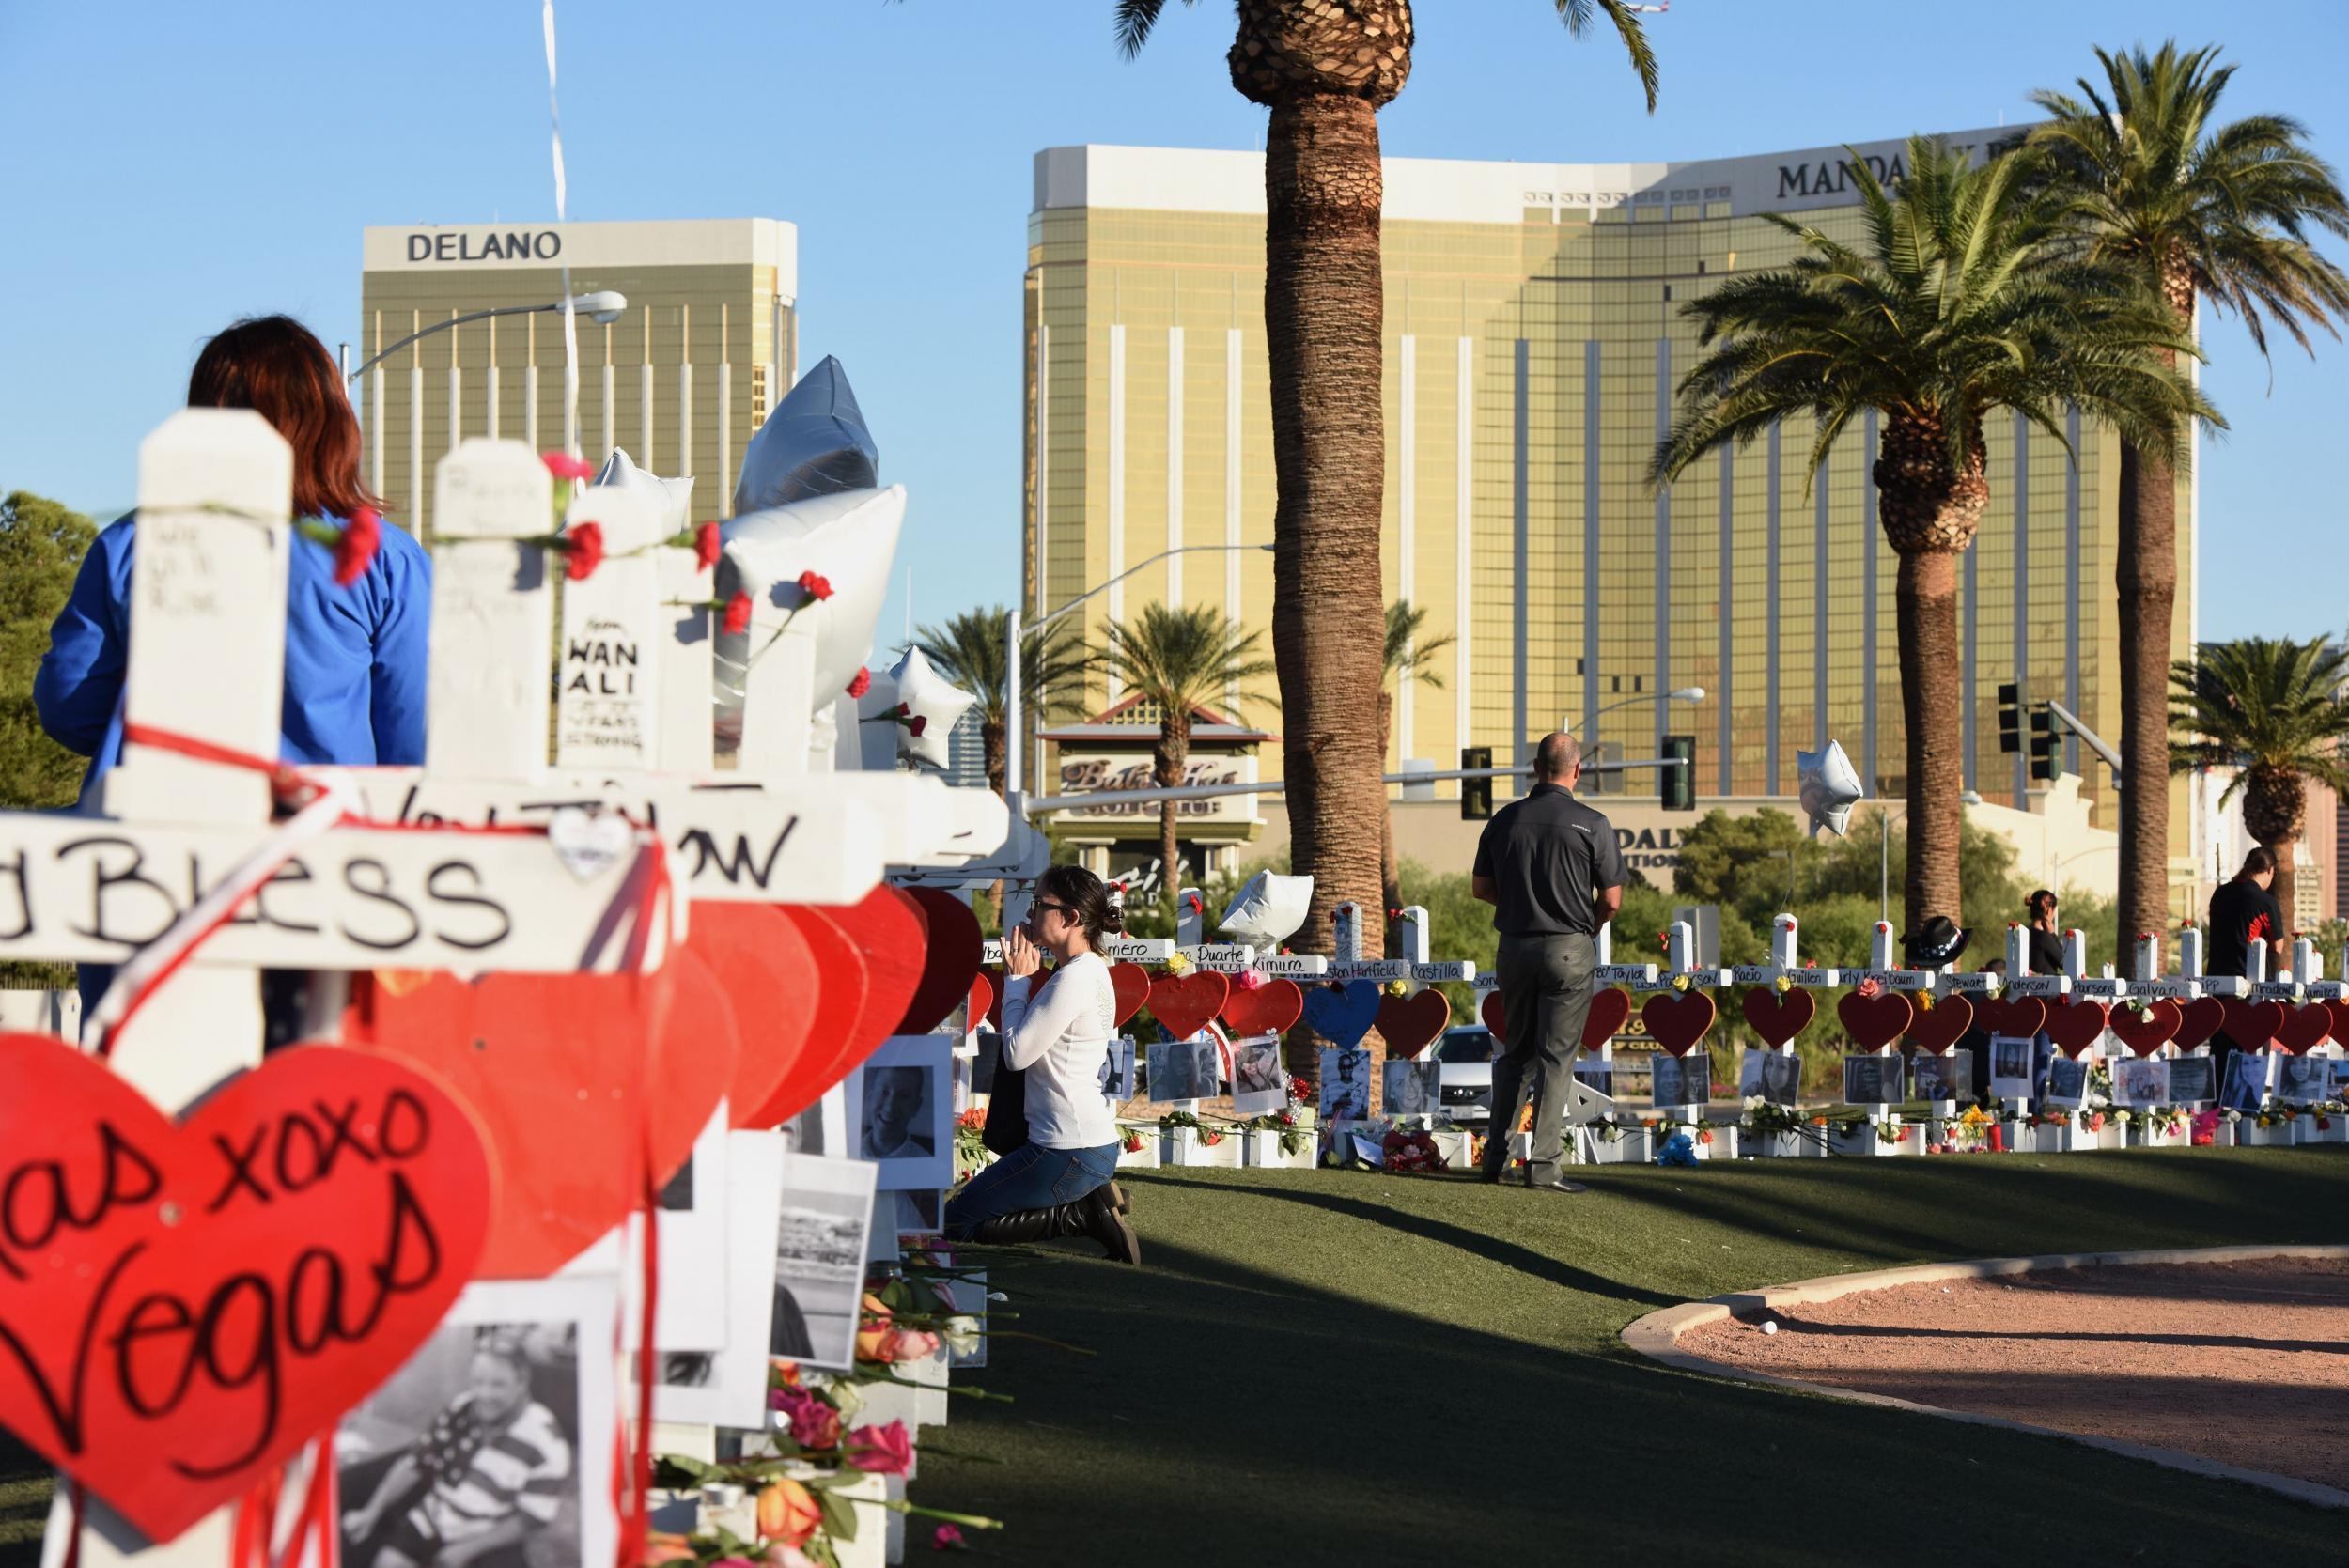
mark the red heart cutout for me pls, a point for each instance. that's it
(1778, 1015)
(838, 977)
(950, 956)
(557, 1070)
(981, 1003)
(1610, 1009)
(2146, 1030)
(1936, 1029)
(1874, 1022)
(2305, 1029)
(1188, 1003)
(2340, 1010)
(187, 1304)
(2017, 1018)
(759, 959)
(2252, 1025)
(993, 976)
(1131, 984)
(885, 933)
(2075, 1024)
(2198, 1021)
(1496, 1016)
(1676, 1020)
(1411, 1024)
(1272, 1008)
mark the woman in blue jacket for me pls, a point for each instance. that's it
(355, 659)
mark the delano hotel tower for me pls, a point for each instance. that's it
(1533, 344)
(683, 381)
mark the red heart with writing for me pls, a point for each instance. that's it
(837, 976)
(2146, 1030)
(2340, 1010)
(1936, 1028)
(1188, 1003)
(1676, 1020)
(2305, 1029)
(1610, 1009)
(1496, 1016)
(2075, 1024)
(186, 1304)
(566, 1075)
(2252, 1025)
(1131, 985)
(1778, 1015)
(2017, 1018)
(763, 964)
(1874, 1022)
(1411, 1024)
(951, 948)
(980, 1005)
(1272, 1008)
(2198, 1021)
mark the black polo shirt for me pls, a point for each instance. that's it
(1548, 855)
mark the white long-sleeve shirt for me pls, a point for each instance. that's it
(1058, 1035)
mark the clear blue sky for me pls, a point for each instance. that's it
(171, 166)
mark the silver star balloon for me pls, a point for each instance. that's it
(1829, 787)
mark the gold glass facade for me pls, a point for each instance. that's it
(1533, 340)
(681, 380)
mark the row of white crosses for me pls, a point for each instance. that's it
(633, 734)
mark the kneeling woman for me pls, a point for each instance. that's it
(1057, 1184)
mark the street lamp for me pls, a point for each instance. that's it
(1016, 633)
(1680, 694)
(602, 306)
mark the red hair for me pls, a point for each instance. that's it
(275, 366)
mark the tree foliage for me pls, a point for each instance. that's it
(42, 546)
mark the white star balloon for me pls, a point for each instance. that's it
(930, 708)
(672, 499)
(1829, 787)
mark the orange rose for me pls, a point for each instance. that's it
(661, 1547)
(873, 1330)
(787, 1513)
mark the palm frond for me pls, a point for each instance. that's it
(1135, 18)
(1577, 16)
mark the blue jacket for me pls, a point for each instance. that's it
(355, 657)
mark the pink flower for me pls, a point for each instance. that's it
(948, 1539)
(882, 1450)
(1251, 981)
(362, 536)
(863, 683)
(737, 614)
(584, 551)
(815, 587)
(708, 543)
(814, 1423)
(564, 466)
(911, 1344)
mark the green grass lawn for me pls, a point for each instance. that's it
(1349, 1368)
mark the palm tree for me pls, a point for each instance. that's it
(2273, 710)
(1325, 69)
(2153, 182)
(1179, 659)
(1408, 653)
(969, 651)
(1962, 300)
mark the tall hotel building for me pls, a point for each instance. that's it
(682, 379)
(1533, 344)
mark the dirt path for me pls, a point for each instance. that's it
(2243, 1362)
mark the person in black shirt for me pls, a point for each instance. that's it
(2242, 912)
(2047, 942)
(1551, 867)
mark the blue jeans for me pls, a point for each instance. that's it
(1028, 1177)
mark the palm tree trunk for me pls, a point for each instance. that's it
(1932, 697)
(1170, 759)
(993, 754)
(1324, 302)
(1390, 867)
(2146, 576)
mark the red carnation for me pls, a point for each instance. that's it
(816, 586)
(920, 722)
(564, 466)
(584, 546)
(362, 536)
(737, 614)
(707, 546)
(863, 683)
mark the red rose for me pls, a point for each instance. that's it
(564, 466)
(362, 536)
(584, 547)
(737, 614)
(863, 683)
(882, 1450)
(921, 722)
(815, 587)
(707, 546)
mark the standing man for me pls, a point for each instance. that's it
(1549, 865)
(2242, 914)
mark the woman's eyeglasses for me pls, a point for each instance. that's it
(1042, 904)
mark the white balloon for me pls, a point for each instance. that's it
(1829, 787)
(1268, 909)
(849, 538)
(931, 707)
(672, 499)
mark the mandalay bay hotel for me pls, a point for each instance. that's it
(1532, 343)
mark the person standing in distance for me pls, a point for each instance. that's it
(1550, 867)
(2047, 939)
(2242, 914)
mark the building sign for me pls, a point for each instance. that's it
(1082, 773)
(1649, 848)
(1831, 176)
(513, 244)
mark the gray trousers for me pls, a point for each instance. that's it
(1546, 985)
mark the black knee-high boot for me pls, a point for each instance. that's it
(1095, 1215)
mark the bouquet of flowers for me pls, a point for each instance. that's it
(1414, 1152)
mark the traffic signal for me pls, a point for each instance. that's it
(2010, 718)
(1678, 785)
(1476, 795)
(2042, 742)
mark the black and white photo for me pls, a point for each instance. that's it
(1345, 1083)
(2009, 1066)
(822, 1128)
(1183, 1070)
(2192, 1081)
(824, 1236)
(726, 1385)
(2067, 1081)
(1942, 1077)
(2141, 1081)
(1774, 1075)
(2245, 1088)
(1414, 1088)
(692, 1233)
(493, 1443)
(2303, 1079)
(901, 1103)
(1259, 1081)
(1681, 1080)
(1117, 1070)
(1872, 1080)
